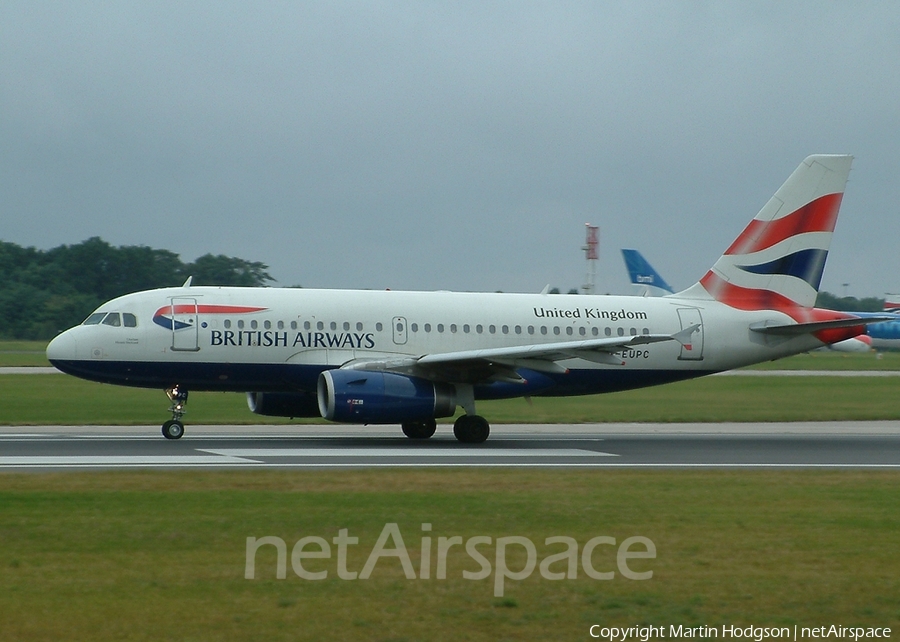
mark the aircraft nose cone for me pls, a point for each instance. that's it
(63, 348)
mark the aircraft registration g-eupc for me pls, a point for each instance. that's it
(380, 357)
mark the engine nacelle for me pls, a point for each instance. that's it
(283, 404)
(363, 397)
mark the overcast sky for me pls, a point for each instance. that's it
(461, 146)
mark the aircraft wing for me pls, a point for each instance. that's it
(500, 364)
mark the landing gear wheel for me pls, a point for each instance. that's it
(173, 429)
(471, 429)
(419, 429)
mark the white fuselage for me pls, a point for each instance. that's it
(249, 339)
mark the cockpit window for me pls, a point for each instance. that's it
(113, 319)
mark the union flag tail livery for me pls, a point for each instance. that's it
(777, 261)
(376, 357)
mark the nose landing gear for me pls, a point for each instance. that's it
(174, 428)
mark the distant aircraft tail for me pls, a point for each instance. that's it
(646, 280)
(892, 303)
(776, 263)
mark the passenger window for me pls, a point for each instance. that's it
(129, 320)
(112, 319)
(94, 319)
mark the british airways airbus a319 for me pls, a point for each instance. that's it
(383, 357)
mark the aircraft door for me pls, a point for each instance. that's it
(693, 350)
(399, 330)
(185, 325)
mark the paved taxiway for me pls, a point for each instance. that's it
(863, 445)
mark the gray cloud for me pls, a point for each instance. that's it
(415, 145)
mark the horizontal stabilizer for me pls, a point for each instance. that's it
(795, 329)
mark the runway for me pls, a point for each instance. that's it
(809, 445)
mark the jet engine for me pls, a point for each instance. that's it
(283, 404)
(363, 397)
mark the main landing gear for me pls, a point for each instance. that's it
(419, 429)
(471, 429)
(174, 428)
(468, 429)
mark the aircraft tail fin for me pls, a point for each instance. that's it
(643, 277)
(778, 260)
(892, 303)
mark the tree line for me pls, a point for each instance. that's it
(45, 291)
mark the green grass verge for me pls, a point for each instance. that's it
(830, 360)
(161, 556)
(60, 399)
(23, 353)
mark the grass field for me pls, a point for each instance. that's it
(23, 353)
(145, 556)
(60, 399)
(161, 555)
